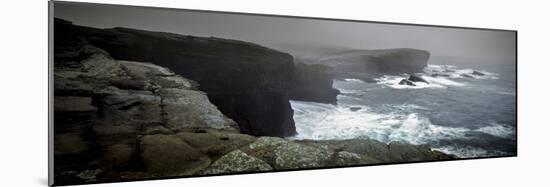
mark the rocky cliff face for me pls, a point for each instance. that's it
(313, 82)
(125, 120)
(366, 64)
(248, 83)
(109, 116)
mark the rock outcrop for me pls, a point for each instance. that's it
(237, 162)
(313, 83)
(372, 151)
(367, 64)
(118, 115)
(412, 80)
(247, 82)
(415, 78)
(406, 82)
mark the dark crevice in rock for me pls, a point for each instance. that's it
(136, 159)
(162, 111)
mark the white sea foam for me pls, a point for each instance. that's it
(441, 81)
(407, 107)
(354, 80)
(393, 82)
(433, 82)
(463, 152)
(506, 93)
(324, 121)
(437, 76)
(454, 72)
(469, 152)
(346, 91)
(499, 130)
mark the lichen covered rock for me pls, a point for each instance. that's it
(235, 162)
(293, 155)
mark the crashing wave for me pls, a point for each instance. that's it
(437, 76)
(324, 121)
(498, 130)
(318, 121)
(433, 82)
(454, 72)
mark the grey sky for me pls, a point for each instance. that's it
(298, 36)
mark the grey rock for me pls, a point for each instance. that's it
(354, 109)
(415, 78)
(285, 154)
(478, 73)
(467, 76)
(344, 158)
(74, 104)
(150, 129)
(69, 87)
(215, 143)
(168, 155)
(235, 162)
(151, 74)
(119, 155)
(70, 143)
(406, 82)
(293, 155)
(108, 134)
(263, 148)
(98, 63)
(191, 109)
(131, 107)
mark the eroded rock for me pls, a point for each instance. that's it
(293, 155)
(168, 155)
(191, 109)
(235, 162)
(215, 143)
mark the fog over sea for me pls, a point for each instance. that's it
(467, 109)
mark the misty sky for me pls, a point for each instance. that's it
(298, 36)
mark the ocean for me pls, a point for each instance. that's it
(466, 109)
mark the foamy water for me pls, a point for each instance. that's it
(437, 76)
(325, 121)
(352, 117)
